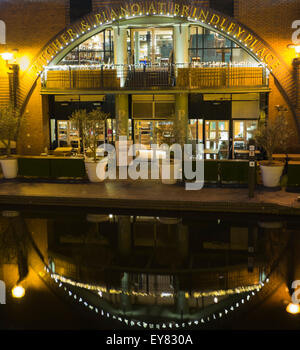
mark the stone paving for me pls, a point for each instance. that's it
(147, 195)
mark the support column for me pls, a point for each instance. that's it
(124, 236)
(124, 297)
(181, 118)
(182, 306)
(183, 240)
(122, 115)
(136, 48)
(120, 53)
(181, 44)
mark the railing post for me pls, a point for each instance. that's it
(70, 78)
(102, 77)
(264, 76)
(228, 77)
(252, 169)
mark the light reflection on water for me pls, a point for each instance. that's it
(150, 271)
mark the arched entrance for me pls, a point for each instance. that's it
(151, 15)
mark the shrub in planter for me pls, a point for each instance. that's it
(272, 135)
(170, 167)
(91, 127)
(10, 121)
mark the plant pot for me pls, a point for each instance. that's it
(9, 168)
(96, 170)
(170, 177)
(96, 218)
(271, 174)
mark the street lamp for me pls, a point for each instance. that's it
(296, 48)
(18, 292)
(293, 309)
(7, 56)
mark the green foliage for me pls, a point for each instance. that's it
(10, 121)
(274, 134)
(91, 127)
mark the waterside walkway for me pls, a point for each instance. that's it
(147, 195)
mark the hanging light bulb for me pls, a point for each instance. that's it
(18, 292)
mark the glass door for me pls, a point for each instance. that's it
(149, 132)
(143, 132)
(195, 130)
(242, 133)
(68, 134)
(217, 139)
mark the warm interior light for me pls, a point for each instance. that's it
(24, 63)
(293, 309)
(7, 56)
(18, 292)
(297, 48)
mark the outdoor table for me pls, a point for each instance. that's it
(63, 150)
(245, 151)
(294, 156)
(279, 156)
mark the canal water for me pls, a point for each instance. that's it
(139, 270)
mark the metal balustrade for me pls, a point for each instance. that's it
(132, 77)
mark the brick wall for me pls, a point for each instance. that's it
(29, 26)
(272, 20)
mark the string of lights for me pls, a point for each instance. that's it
(103, 289)
(168, 15)
(149, 325)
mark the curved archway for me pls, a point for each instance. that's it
(141, 13)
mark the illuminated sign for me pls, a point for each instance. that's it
(194, 14)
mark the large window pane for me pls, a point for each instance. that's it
(208, 46)
(97, 50)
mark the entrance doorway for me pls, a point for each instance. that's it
(217, 139)
(149, 132)
(242, 132)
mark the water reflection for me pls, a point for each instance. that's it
(150, 271)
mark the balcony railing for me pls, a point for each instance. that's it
(132, 77)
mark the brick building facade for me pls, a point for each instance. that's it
(30, 25)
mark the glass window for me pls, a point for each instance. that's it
(195, 130)
(152, 46)
(99, 49)
(208, 46)
(217, 139)
(164, 109)
(242, 133)
(241, 56)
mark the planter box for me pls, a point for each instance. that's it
(67, 168)
(293, 174)
(51, 167)
(34, 167)
(234, 172)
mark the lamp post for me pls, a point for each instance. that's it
(13, 75)
(296, 48)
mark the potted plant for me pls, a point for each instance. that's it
(91, 126)
(272, 135)
(10, 121)
(170, 167)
